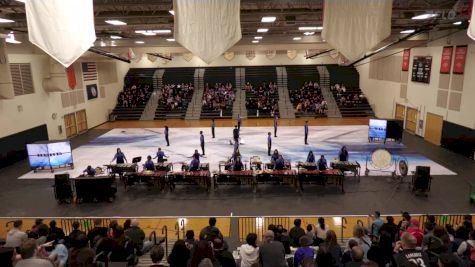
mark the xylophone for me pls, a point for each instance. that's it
(277, 176)
(203, 166)
(270, 165)
(350, 166)
(157, 178)
(164, 166)
(94, 188)
(306, 165)
(329, 176)
(237, 177)
(201, 178)
(120, 169)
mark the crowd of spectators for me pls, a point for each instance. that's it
(218, 97)
(309, 98)
(345, 98)
(382, 243)
(134, 95)
(176, 96)
(263, 98)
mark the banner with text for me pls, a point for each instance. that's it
(459, 60)
(446, 60)
(405, 59)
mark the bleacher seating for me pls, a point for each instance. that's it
(175, 76)
(299, 74)
(212, 77)
(217, 99)
(351, 101)
(346, 75)
(137, 90)
(257, 76)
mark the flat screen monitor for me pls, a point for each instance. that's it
(49, 154)
(377, 128)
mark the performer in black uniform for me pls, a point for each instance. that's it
(119, 157)
(166, 135)
(202, 142)
(311, 157)
(212, 127)
(343, 156)
(236, 134)
(306, 131)
(275, 125)
(269, 143)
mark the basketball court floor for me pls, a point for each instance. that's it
(32, 194)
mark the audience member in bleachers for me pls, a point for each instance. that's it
(263, 98)
(413, 228)
(222, 255)
(296, 232)
(179, 255)
(203, 251)
(30, 257)
(376, 222)
(127, 224)
(308, 98)
(56, 252)
(15, 237)
(137, 236)
(80, 254)
(271, 252)
(332, 246)
(363, 240)
(157, 253)
(190, 240)
(97, 231)
(321, 229)
(72, 237)
(249, 252)
(134, 95)
(211, 231)
(53, 229)
(218, 97)
(406, 252)
(346, 97)
(357, 257)
(346, 257)
(282, 236)
(176, 96)
(304, 251)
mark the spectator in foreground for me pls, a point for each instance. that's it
(305, 251)
(406, 252)
(249, 252)
(190, 240)
(202, 251)
(296, 232)
(357, 255)
(415, 231)
(15, 237)
(376, 224)
(156, 255)
(56, 230)
(363, 240)
(271, 253)
(98, 230)
(331, 245)
(465, 250)
(346, 257)
(223, 256)
(29, 253)
(137, 236)
(211, 231)
(180, 254)
(81, 255)
(321, 230)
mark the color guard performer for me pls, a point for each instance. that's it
(119, 157)
(166, 135)
(269, 143)
(306, 131)
(343, 156)
(212, 127)
(275, 125)
(160, 156)
(202, 142)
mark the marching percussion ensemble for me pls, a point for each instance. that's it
(95, 185)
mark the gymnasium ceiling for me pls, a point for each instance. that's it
(154, 15)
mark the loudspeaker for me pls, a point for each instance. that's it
(423, 171)
(62, 187)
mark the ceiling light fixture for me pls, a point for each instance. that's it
(22, 1)
(6, 20)
(162, 31)
(255, 41)
(309, 33)
(258, 37)
(115, 22)
(262, 30)
(139, 42)
(171, 12)
(425, 16)
(297, 38)
(408, 31)
(308, 28)
(11, 39)
(268, 19)
(116, 37)
(171, 40)
(457, 23)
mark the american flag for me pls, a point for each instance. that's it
(89, 71)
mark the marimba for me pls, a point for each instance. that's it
(277, 176)
(203, 166)
(270, 165)
(164, 166)
(120, 169)
(94, 188)
(329, 176)
(306, 165)
(201, 178)
(351, 166)
(234, 177)
(157, 178)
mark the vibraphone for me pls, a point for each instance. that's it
(94, 188)
(164, 166)
(350, 166)
(157, 178)
(120, 169)
(201, 178)
(329, 176)
(234, 177)
(306, 165)
(277, 176)
(270, 165)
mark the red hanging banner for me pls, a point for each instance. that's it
(71, 77)
(405, 59)
(446, 60)
(459, 60)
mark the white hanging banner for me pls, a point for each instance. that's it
(471, 26)
(208, 27)
(63, 29)
(354, 27)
